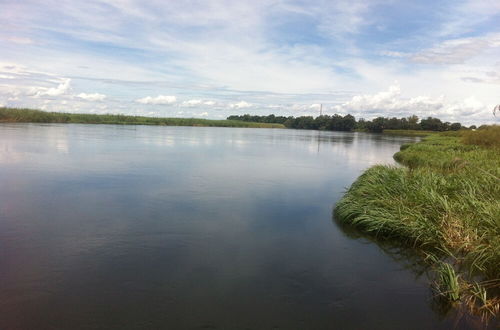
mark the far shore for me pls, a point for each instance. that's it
(12, 115)
(24, 115)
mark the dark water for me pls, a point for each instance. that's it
(184, 228)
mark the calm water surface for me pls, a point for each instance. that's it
(184, 228)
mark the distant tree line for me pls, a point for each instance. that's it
(260, 119)
(325, 122)
(349, 123)
(406, 123)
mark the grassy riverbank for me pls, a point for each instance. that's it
(444, 203)
(11, 115)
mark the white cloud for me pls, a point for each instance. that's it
(198, 103)
(92, 97)
(456, 51)
(246, 50)
(45, 105)
(383, 100)
(160, 99)
(19, 40)
(61, 89)
(5, 76)
(488, 77)
(240, 105)
(12, 68)
(390, 53)
(192, 103)
(390, 103)
(204, 114)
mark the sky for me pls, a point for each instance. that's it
(212, 59)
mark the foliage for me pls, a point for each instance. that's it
(325, 122)
(260, 119)
(446, 203)
(448, 282)
(348, 123)
(488, 136)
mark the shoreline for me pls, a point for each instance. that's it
(9, 115)
(444, 204)
(26, 115)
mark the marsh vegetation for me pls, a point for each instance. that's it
(37, 116)
(445, 203)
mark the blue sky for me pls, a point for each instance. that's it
(215, 58)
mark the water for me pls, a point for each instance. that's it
(193, 228)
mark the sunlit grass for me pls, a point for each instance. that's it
(446, 202)
(488, 136)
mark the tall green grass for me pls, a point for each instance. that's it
(446, 203)
(448, 283)
(488, 136)
(37, 116)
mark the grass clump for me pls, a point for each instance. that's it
(445, 203)
(11, 115)
(448, 283)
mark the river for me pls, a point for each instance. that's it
(146, 227)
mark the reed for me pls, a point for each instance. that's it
(445, 202)
(448, 283)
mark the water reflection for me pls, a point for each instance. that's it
(175, 227)
(415, 261)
